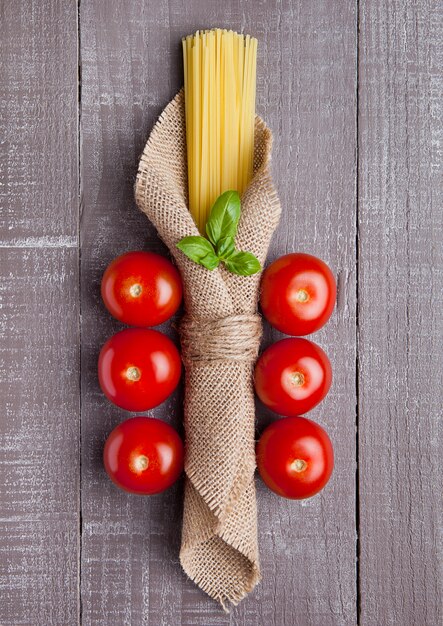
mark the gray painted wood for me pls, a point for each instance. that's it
(38, 112)
(130, 569)
(309, 100)
(400, 312)
(307, 92)
(39, 351)
(131, 67)
(39, 435)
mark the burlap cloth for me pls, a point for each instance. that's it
(220, 337)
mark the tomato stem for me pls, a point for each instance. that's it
(299, 465)
(135, 290)
(298, 379)
(133, 373)
(141, 463)
(302, 295)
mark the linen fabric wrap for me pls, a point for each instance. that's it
(220, 336)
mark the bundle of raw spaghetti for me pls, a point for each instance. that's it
(220, 336)
(220, 80)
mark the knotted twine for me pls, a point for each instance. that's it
(220, 336)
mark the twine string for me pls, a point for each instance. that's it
(233, 338)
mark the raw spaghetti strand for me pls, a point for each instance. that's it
(220, 82)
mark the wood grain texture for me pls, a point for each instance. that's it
(39, 451)
(130, 569)
(131, 67)
(400, 312)
(38, 112)
(39, 308)
(307, 93)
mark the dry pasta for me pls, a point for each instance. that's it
(220, 82)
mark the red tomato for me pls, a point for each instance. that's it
(292, 376)
(295, 457)
(143, 455)
(298, 294)
(141, 289)
(138, 368)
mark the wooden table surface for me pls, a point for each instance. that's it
(353, 92)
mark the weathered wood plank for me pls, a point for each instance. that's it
(38, 122)
(400, 320)
(309, 99)
(39, 451)
(308, 96)
(131, 67)
(39, 354)
(130, 569)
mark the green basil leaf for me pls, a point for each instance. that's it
(243, 263)
(210, 261)
(199, 250)
(224, 217)
(225, 248)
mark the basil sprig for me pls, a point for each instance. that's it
(221, 229)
